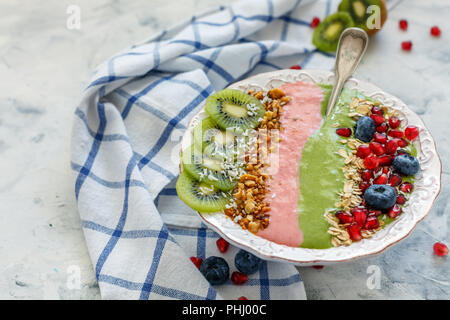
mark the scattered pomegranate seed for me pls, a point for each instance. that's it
(403, 24)
(344, 217)
(406, 187)
(435, 31)
(394, 122)
(407, 45)
(396, 133)
(363, 151)
(366, 175)
(314, 22)
(440, 249)
(395, 180)
(360, 216)
(376, 148)
(354, 232)
(380, 138)
(401, 199)
(378, 119)
(385, 160)
(376, 213)
(382, 179)
(371, 162)
(242, 298)
(382, 128)
(364, 185)
(344, 132)
(318, 267)
(371, 223)
(296, 67)
(411, 132)
(391, 146)
(222, 245)
(394, 211)
(197, 261)
(238, 277)
(377, 110)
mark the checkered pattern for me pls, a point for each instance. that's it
(126, 139)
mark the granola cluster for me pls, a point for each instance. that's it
(250, 208)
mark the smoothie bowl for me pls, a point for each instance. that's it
(268, 171)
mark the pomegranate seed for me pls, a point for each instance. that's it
(296, 67)
(354, 232)
(363, 151)
(376, 213)
(314, 22)
(386, 170)
(242, 298)
(395, 180)
(401, 199)
(371, 223)
(382, 179)
(377, 110)
(391, 146)
(401, 142)
(344, 217)
(394, 211)
(222, 245)
(344, 132)
(407, 45)
(396, 133)
(360, 216)
(403, 24)
(385, 160)
(366, 175)
(440, 249)
(435, 31)
(364, 185)
(318, 267)
(380, 138)
(378, 119)
(239, 277)
(411, 132)
(197, 261)
(394, 122)
(406, 187)
(382, 128)
(377, 148)
(371, 162)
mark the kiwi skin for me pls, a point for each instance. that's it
(331, 45)
(344, 6)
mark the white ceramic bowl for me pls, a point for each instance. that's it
(426, 188)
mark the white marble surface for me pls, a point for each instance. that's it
(44, 68)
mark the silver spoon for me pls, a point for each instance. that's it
(352, 46)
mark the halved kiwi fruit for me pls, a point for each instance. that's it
(361, 17)
(326, 36)
(199, 195)
(231, 108)
(207, 132)
(207, 169)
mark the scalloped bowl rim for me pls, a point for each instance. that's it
(427, 186)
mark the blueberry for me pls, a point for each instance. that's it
(406, 164)
(215, 270)
(364, 129)
(380, 196)
(246, 262)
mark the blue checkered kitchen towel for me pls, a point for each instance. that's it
(126, 139)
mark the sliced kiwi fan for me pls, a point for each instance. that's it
(208, 133)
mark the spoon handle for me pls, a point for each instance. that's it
(351, 48)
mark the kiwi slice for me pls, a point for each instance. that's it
(208, 134)
(361, 17)
(231, 108)
(326, 36)
(199, 195)
(207, 169)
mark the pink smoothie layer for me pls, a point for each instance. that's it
(301, 117)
